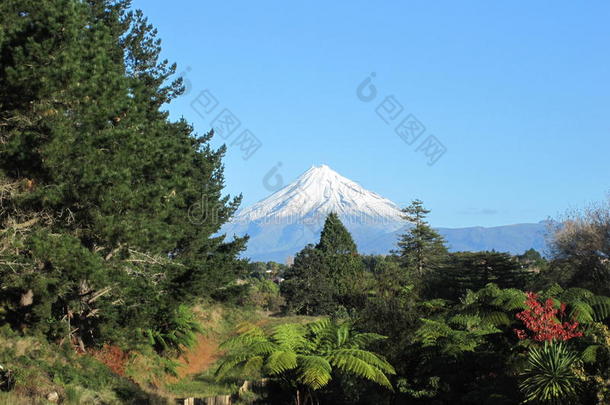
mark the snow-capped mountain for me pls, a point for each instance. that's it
(318, 192)
(283, 223)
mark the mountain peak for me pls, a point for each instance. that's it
(322, 169)
(318, 192)
(321, 176)
(287, 220)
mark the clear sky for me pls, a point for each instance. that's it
(517, 92)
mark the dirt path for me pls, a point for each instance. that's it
(199, 358)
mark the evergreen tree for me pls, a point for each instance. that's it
(345, 266)
(307, 287)
(474, 270)
(327, 278)
(335, 238)
(530, 256)
(91, 165)
(421, 249)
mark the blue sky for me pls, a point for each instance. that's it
(517, 93)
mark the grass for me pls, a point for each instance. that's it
(204, 385)
(220, 322)
(43, 367)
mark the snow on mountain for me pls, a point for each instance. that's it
(318, 192)
(283, 223)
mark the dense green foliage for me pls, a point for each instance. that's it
(465, 271)
(98, 242)
(451, 321)
(328, 278)
(109, 221)
(306, 356)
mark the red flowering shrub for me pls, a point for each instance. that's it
(544, 322)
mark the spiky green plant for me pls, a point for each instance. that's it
(305, 356)
(178, 333)
(550, 377)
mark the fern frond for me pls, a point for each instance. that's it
(466, 320)
(305, 354)
(315, 371)
(435, 304)
(589, 355)
(575, 294)
(511, 299)
(290, 335)
(281, 361)
(369, 357)
(353, 365)
(248, 334)
(601, 307)
(319, 325)
(342, 334)
(554, 290)
(431, 331)
(497, 318)
(581, 311)
(364, 339)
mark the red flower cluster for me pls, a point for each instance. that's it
(543, 321)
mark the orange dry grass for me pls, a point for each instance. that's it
(113, 357)
(199, 358)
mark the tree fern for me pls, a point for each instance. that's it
(584, 306)
(179, 333)
(306, 355)
(315, 371)
(493, 305)
(290, 336)
(453, 341)
(589, 355)
(281, 361)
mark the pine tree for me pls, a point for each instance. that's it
(91, 164)
(335, 238)
(328, 278)
(421, 249)
(346, 271)
(474, 270)
(306, 287)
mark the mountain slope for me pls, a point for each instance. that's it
(318, 192)
(514, 239)
(283, 223)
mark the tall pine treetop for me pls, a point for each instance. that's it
(421, 248)
(415, 212)
(335, 238)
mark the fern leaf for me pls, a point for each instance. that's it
(315, 371)
(281, 361)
